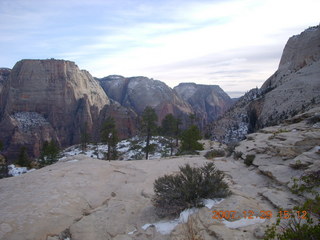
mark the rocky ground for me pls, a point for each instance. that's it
(84, 198)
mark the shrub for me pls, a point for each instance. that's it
(249, 159)
(214, 153)
(231, 147)
(174, 193)
(313, 120)
(237, 155)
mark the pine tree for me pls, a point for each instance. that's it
(109, 136)
(168, 129)
(23, 158)
(49, 153)
(149, 126)
(189, 140)
(85, 137)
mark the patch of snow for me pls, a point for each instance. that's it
(166, 227)
(130, 233)
(130, 149)
(209, 203)
(28, 120)
(243, 222)
(74, 160)
(144, 227)
(16, 171)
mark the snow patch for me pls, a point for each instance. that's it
(28, 120)
(166, 227)
(243, 222)
(209, 203)
(16, 171)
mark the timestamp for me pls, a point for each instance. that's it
(250, 214)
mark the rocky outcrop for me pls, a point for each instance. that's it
(139, 92)
(293, 88)
(208, 101)
(48, 99)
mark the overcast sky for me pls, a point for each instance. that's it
(235, 44)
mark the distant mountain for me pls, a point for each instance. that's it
(293, 88)
(137, 93)
(207, 101)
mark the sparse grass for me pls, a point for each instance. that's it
(214, 153)
(249, 159)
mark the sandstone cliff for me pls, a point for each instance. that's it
(139, 92)
(207, 101)
(293, 88)
(48, 99)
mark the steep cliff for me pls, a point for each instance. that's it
(293, 88)
(48, 99)
(138, 92)
(207, 101)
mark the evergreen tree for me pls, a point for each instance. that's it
(168, 129)
(85, 137)
(178, 130)
(149, 126)
(23, 158)
(109, 136)
(3, 164)
(49, 153)
(189, 140)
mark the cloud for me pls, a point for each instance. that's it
(236, 44)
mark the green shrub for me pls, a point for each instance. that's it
(249, 159)
(214, 153)
(174, 193)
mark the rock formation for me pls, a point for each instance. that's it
(48, 99)
(293, 88)
(139, 92)
(208, 101)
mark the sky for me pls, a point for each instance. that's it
(236, 44)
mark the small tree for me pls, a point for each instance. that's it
(49, 153)
(109, 136)
(149, 126)
(168, 129)
(189, 140)
(85, 137)
(23, 158)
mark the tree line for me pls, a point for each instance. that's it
(170, 128)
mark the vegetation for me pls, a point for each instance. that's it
(189, 140)
(49, 153)
(85, 137)
(249, 159)
(296, 228)
(231, 148)
(169, 129)
(109, 136)
(23, 158)
(186, 189)
(214, 153)
(237, 155)
(149, 126)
